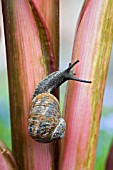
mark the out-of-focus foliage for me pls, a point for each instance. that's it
(104, 142)
(5, 132)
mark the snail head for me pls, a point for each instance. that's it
(69, 73)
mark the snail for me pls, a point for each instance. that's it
(44, 123)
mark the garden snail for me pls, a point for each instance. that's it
(44, 123)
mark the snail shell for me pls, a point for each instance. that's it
(45, 124)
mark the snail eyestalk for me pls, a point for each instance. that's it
(72, 65)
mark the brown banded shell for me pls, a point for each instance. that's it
(44, 123)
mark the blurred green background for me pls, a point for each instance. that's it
(69, 12)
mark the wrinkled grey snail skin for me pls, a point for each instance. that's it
(44, 123)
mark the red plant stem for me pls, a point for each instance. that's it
(28, 63)
(7, 161)
(83, 104)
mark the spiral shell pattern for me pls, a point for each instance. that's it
(44, 123)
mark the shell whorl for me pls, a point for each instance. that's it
(45, 124)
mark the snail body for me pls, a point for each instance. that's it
(44, 123)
